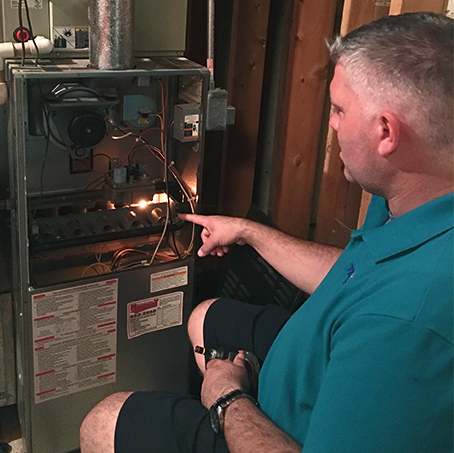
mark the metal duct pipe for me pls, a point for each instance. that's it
(210, 49)
(111, 34)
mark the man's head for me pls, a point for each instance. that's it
(404, 64)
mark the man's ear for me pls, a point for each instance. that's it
(389, 133)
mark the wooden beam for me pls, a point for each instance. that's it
(365, 200)
(356, 13)
(293, 177)
(409, 6)
(340, 200)
(246, 67)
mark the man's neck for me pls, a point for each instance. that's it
(413, 195)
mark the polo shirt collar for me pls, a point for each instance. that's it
(407, 231)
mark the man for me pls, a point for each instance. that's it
(366, 364)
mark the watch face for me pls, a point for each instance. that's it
(214, 419)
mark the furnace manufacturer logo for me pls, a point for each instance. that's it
(148, 315)
(143, 313)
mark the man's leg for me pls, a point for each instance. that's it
(234, 325)
(97, 433)
(164, 422)
(150, 422)
(195, 330)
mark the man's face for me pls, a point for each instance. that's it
(353, 130)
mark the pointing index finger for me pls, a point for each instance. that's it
(195, 218)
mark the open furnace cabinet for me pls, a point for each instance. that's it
(101, 162)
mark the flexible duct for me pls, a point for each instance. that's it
(211, 38)
(111, 34)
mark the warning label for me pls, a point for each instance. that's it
(160, 281)
(74, 339)
(70, 37)
(157, 313)
(191, 126)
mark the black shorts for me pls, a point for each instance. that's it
(234, 325)
(168, 423)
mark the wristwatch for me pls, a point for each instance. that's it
(217, 410)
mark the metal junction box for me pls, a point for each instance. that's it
(102, 265)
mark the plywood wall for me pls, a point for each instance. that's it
(306, 184)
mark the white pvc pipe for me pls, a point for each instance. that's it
(10, 50)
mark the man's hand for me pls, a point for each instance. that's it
(218, 232)
(223, 376)
(303, 263)
(246, 428)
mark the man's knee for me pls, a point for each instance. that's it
(97, 432)
(195, 329)
(196, 321)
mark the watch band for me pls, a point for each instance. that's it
(217, 410)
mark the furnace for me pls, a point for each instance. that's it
(100, 166)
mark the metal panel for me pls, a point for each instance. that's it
(39, 16)
(160, 26)
(7, 355)
(157, 360)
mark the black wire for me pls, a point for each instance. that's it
(41, 178)
(175, 245)
(49, 129)
(56, 139)
(147, 146)
(31, 32)
(47, 137)
(167, 174)
(123, 131)
(102, 154)
(21, 28)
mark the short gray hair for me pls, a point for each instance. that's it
(404, 62)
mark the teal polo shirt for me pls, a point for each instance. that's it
(366, 364)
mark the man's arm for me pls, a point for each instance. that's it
(246, 428)
(303, 263)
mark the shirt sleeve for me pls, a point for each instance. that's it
(388, 388)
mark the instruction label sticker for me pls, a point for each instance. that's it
(149, 315)
(74, 339)
(160, 281)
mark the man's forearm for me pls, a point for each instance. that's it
(303, 263)
(247, 429)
